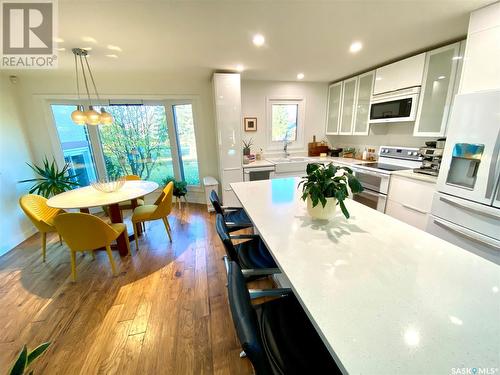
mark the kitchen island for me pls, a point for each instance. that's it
(385, 297)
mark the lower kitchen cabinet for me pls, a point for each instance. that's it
(410, 200)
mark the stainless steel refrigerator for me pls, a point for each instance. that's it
(466, 207)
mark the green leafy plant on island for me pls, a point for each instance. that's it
(180, 187)
(50, 179)
(25, 358)
(329, 181)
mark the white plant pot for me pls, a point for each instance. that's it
(320, 212)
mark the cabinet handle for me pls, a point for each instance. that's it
(414, 208)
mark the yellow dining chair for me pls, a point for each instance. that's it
(160, 210)
(41, 215)
(85, 232)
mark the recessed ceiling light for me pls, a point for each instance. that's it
(441, 77)
(89, 39)
(87, 48)
(378, 79)
(61, 49)
(355, 47)
(113, 56)
(59, 40)
(258, 40)
(240, 68)
(300, 76)
(114, 48)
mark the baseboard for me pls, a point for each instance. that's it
(13, 241)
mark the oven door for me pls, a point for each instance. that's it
(378, 182)
(372, 199)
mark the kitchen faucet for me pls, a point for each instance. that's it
(285, 147)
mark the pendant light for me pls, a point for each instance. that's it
(89, 116)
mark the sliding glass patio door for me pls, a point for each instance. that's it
(154, 140)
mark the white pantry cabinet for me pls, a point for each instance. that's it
(227, 98)
(410, 200)
(441, 78)
(349, 89)
(334, 108)
(400, 75)
(363, 97)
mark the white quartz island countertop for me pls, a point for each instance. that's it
(385, 297)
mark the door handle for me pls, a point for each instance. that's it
(414, 208)
(484, 240)
(490, 184)
(474, 208)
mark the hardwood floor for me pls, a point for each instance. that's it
(165, 313)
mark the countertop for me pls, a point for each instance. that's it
(385, 297)
(258, 164)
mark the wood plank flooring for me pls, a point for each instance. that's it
(165, 313)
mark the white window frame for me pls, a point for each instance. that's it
(298, 144)
(95, 141)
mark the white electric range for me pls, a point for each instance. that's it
(375, 176)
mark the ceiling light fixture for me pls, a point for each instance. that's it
(59, 40)
(258, 40)
(88, 116)
(240, 68)
(300, 76)
(114, 48)
(355, 47)
(89, 39)
(113, 56)
(441, 77)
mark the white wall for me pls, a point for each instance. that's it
(35, 89)
(254, 95)
(481, 69)
(393, 134)
(14, 153)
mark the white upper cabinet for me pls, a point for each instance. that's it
(437, 91)
(334, 108)
(364, 94)
(399, 75)
(349, 88)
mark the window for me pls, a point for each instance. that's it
(151, 140)
(184, 129)
(75, 145)
(284, 122)
(137, 142)
(286, 119)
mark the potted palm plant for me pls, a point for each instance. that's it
(50, 179)
(327, 186)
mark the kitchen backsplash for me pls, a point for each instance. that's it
(394, 134)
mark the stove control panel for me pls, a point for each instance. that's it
(407, 153)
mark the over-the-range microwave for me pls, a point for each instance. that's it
(395, 106)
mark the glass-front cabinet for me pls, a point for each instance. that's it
(441, 79)
(364, 93)
(334, 108)
(349, 87)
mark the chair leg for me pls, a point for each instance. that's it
(136, 236)
(73, 265)
(60, 239)
(110, 256)
(167, 227)
(44, 245)
(127, 241)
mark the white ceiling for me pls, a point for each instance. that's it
(313, 37)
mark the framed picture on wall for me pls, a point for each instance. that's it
(250, 124)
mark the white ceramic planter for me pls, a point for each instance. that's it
(320, 212)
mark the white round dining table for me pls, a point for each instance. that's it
(87, 197)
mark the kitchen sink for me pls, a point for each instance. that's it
(288, 160)
(290, 164)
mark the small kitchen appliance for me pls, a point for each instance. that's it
(431, 161)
